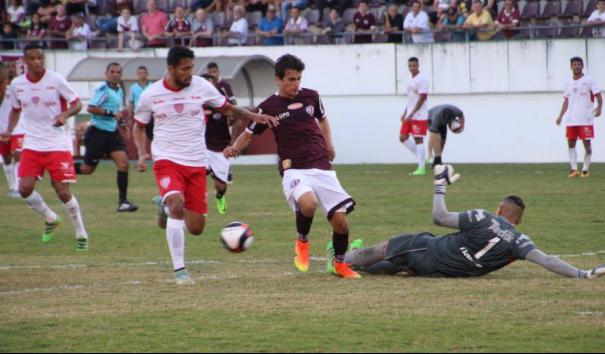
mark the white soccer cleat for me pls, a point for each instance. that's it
(444, 175)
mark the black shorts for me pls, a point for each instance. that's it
(439, 126)
(410, 254)
(99, 143)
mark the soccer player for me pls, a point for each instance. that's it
(579, 112)
(10, 168)
(47, 101)
(218, 137)
(415, 117)
(179, 149)
(136, 90)
(103, 137)
(440, 118)
(484, 243)
(306, 152)
(223, 86)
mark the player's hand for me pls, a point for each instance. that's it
(5, 137)
(403, 117)
(231, 151)
(597, 112)
(445, 175)
(60, 120)
(596, 272)
(559, 120)
(266, 119)
(142, 163)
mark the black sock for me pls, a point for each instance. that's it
(78, 168)
(437, 161)
(219, 195)
(303, 226)
(340, 243)
(123, 185)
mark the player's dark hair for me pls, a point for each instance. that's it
(110, 65)
(576, 60)
(413, 60)
(513, 199)
(31, 46)
(212, 65)
(208, 77)
(288, 62)
(142, 67)
(178, 53)
(415, 2)
(364, 2)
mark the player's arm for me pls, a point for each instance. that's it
(236, 129)
(326, 131)
(556, 265)
(242, 114)
(240, 144)
(444, 176)
(597, 111)
(140, 141)
(563, 110)
(421, 99)
(74, 108)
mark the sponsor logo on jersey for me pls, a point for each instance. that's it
(158, 101)
(179, 107)
(295, 106)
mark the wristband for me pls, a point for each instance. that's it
(109, 113)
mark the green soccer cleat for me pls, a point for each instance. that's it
(49, 231)
(221, 205)
(81, 244)
(159, 205)
(419, 172)
(331, 256)
(357, 244)
(182, 278)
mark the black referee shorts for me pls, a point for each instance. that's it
(100, 143)
(438, 126)
(410, 253)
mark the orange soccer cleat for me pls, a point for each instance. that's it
(301, 261)
(342, 270)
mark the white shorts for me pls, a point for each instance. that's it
(324, 184)
(219, 166)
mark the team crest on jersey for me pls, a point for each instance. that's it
(36, 99)
(295, 106)
(165, 182)
(310, 110)
(179, 107)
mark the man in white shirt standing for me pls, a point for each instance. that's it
(597, 19)
(417, 23)
(238, 33)
(47, 101)
(415, 118)
(79, 34)
(179, 148)
(579, 113)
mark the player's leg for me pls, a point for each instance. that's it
(175, 235)
(220, 170)
(305, 211)
(572, 137)
(16, 148)
(9, 169)
(587, 158)
(220, 188)
(94, 143)
(404, 136)
(337, 249)
(120, 158)
(419, 130)
(72, 207)
(371, 260)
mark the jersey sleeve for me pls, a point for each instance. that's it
(319, 112)
(144, 110)
(255, 128)
(99, 98)
(423, 86)
(66, 91)
(593, 87)
(566, 91)
(14, 101)
(211, 96)
(473, 219)
(522, 246)
(228, 91)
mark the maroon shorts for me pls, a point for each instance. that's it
(173, 178)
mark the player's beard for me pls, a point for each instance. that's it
(183, 84)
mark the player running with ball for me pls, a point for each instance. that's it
(484, 243)
(304, 146)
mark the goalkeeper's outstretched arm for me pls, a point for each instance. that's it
(556, 265)
(444, 176)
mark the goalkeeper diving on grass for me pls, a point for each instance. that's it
(484, 243)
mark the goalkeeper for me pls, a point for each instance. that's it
(484, 243)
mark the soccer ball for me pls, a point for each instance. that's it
(455, 125)
(237, 237)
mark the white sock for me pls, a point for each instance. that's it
(421, 154)
(75, 215)
(573, 159)
(175, 235)
(411, 145)
(587, 158)
(16, 174)
(36, 202)
(9, 172)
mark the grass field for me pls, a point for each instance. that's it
(119, 295)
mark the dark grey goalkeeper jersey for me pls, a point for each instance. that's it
(442, 115)
(484, 244)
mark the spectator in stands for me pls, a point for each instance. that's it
(238, 33)
(296, 25)
(47, 10)
(58, 27)
(270, 28)
(79, 34)
(257, 5)
(207, 5)
(479, 22)
(9, 36)
(364, 22)
(597, 19)
(202, 28)
(179, 27)
(508, 19)
(417, 24)
(339, 5)
(74, 7)
(113, 8)
(490, 6)
(335, 27)
(441, 6)
(464, 7)
(16, 12)
(128, 26)
(453, 23)
(286, 5)
(37, 30)
(393, 22)
(153, 24)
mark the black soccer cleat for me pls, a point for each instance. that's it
(127, 207)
